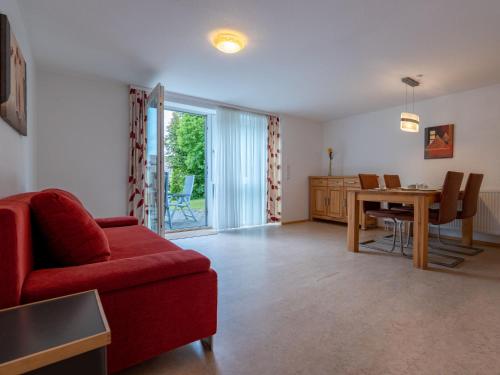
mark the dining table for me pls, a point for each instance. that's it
(421, 200)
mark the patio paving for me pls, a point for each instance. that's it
(180, 222)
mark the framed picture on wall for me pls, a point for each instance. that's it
(439, 141)
(12, 79)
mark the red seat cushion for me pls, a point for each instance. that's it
(72, 235)
(136, 240)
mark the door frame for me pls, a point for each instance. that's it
(159, 93)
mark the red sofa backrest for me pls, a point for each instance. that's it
(16, 250)
(17, 244)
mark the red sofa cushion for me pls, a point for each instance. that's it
(136, 240)
(72, 235)
(117, 221)
(112, 275)
(67, 194)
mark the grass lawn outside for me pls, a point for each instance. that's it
(198, 204)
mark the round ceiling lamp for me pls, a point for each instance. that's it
(228, 41)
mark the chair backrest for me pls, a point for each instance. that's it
(449, 197)
(188, 185)
(471, 195)
(369, 181)
(166, 185)
(392, 181)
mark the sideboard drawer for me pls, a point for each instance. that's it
(335, 182)
(319, 182)
(352, 183)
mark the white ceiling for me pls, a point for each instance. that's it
(318, 59)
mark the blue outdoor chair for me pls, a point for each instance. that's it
(180, 201)
(167, 203)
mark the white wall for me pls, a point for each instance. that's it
(17, 166)
(372, 142)
(301, 144)
(82, 143)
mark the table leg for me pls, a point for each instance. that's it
(467, 230)
(420, 232)
(352, 222)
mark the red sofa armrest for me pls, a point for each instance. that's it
(118, 221)
(113, 274)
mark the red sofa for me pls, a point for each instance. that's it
(156, 296)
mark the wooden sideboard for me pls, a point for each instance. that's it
(328, 199)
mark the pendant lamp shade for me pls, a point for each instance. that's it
(409, 122)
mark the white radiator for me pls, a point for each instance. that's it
(487, 219)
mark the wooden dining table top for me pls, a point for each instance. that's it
(402, 191)
(406, 192)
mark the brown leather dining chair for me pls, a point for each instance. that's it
(469, 209)
(392, 181)
(374, 209)
(471, 196)
(448, 204)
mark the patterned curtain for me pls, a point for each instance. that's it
(137, 154)
(273, 170)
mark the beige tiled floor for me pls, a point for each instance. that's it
(292, 300)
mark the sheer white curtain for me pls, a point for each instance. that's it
(239, 169)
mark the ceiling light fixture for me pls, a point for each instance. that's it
(228, 41)
(409, 120)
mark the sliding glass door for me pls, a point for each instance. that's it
(154, 161)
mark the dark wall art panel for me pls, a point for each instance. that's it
(12, 79)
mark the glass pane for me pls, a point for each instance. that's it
(153, 163)
(185, 170)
